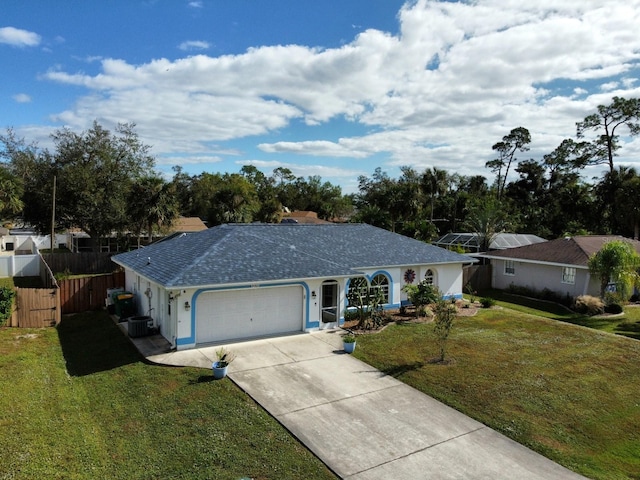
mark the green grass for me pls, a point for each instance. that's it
(570, 393)
(78, 402)
(627, 324)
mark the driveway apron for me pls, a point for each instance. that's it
(364, 424)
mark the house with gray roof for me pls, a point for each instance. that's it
(241, 281)
(561, 265)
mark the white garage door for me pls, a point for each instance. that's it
(246, 313)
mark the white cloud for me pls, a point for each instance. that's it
(304, 170)
(19, 38)
(609, 86)
(456, 78)
(22, 98)
(321, 148)
(194, 45)
(196, 4)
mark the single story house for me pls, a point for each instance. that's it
(561, 265)
(240, 281)
(299, 216)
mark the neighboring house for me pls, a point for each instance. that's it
(561, 265)
(247, 280)
(187, 224)
(300, 216)
(470, 241)
(79, 241)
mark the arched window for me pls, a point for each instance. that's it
(381, 283)
(430, 277)
(358, 292)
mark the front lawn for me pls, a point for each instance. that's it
(570, 393)
(78, 402)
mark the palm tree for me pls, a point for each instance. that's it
(435, 183)
(486, 217)
(152, 203)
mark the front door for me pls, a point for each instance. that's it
(329, 303)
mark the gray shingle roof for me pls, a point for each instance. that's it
(242, 253)
(564, 251)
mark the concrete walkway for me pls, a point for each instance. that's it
(362, 423)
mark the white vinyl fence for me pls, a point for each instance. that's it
(19, 265)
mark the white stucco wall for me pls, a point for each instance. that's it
(152, 299)
(177, 321)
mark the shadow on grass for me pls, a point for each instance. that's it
(400, 370)
(91, 342)
(629, 329)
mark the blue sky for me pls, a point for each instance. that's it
(330, 88)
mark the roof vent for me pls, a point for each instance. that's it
(148, 260)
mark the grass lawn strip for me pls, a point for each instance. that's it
(569, 393)
(79, 402)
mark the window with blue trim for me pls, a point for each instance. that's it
(380, 283)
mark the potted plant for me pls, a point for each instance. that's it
(349, 342)
(225, 357)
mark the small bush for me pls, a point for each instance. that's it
(545, 294)
(487, 302)
(351, 314)
(588, 305)
(59, 276)
(613, 308)
(6, 302)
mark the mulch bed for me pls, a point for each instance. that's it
(465, 309)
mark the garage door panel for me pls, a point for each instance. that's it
(234, 314)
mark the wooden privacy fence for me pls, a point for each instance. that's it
(36, 307)
(79, 263)
(87, 293)
(476, 276)
(44, 307)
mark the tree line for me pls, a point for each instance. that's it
(106, 184)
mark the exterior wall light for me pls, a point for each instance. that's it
(186, 305)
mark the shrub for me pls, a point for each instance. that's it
(351, 314)
(487, 302)
(59, 276)
(6, 302)
(545, 294)
(613, 308)
(588, 305)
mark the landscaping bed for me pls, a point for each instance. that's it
(408, 315)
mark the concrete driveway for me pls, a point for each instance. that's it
(362, 423)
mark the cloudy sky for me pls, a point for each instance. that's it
(332, 88)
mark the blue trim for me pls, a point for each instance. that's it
(191, 340)
(457, 296)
